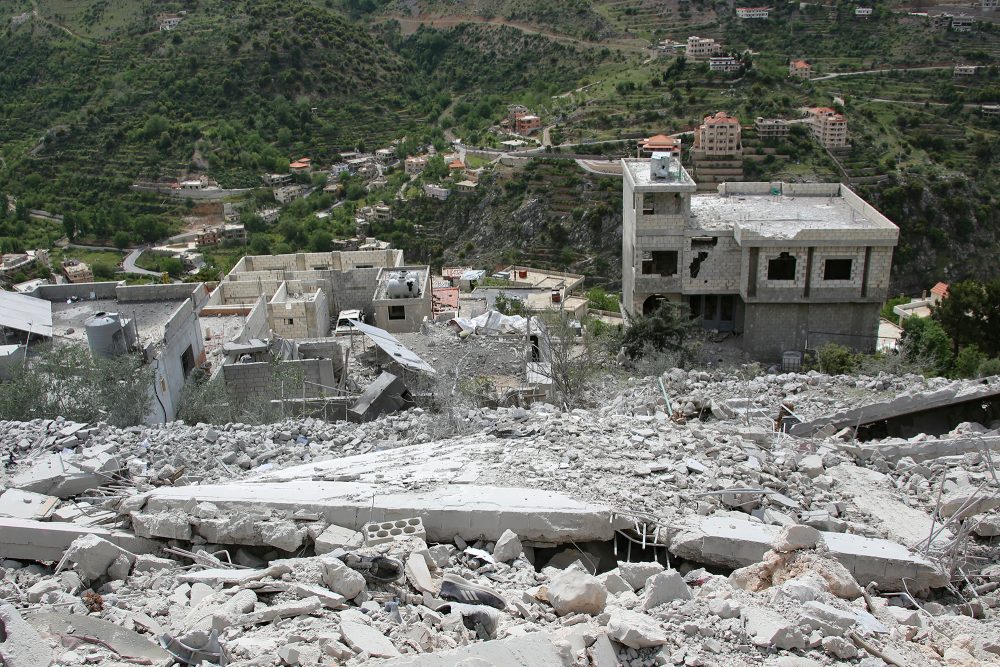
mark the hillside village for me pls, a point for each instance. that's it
(481, 333)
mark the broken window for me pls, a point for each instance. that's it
(290, 321)
(695, 266)
(397, 312)
(187, 361)
(647, 266)
(837, 269)
(781, 267)
(665, 262)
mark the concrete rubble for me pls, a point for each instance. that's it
(667, 524)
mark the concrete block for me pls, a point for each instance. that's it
(335, 537)
(95, 557)
(532, 650)
(635, 630)
(636, 574)
(663, 588)
(769, 629)
(380, 532)
(364, 638)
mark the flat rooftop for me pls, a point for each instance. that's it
(773, 215)
(68, 319)
(638, 171)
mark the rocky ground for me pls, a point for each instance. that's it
(670, 455)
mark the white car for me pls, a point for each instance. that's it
(344, 326)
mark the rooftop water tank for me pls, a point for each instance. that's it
(106, 335)
(404, 285)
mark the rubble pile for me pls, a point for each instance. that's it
(673, 525)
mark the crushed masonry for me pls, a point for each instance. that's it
(670, 525)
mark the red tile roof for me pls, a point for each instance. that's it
(941, 289)
(799, 64)
(660, 141)
(721, 118)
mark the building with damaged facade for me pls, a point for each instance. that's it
(788, 266)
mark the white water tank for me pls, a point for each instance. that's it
(404, 285)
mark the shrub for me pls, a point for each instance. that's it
(989, 368)
(968, 362)
(836, 359)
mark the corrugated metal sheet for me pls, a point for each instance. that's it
(25, 313)
(399, 352)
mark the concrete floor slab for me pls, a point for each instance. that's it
(25, 539)
(534, 650)
(469, 511)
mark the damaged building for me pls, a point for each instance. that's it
(786, 266)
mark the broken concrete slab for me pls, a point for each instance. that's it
(871, 492)
(302, 607)
(968, 501)
(364, 638)
(47, 540)
(124, 642)
(470, 511)
(635, 630)
(20, 643)
(385, 395)
(769, 629)
(336, 537)
(532, 650)
(933, 412)
(18, 504)
(921, 450)
(67, 475)
(731, 542)
(232, 577)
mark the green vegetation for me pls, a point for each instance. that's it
(667, 329)
(68, 382)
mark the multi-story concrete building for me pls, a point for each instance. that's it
(771, 128)
(753, 12)
(788, 266)
(828, 126)
(527, 123)
(799, 69)
(964, 70)
(718, 135)
(403, 298)
(701, 48)
(724, 64)
(414, 164)
(863, 12)
(963, 23)
(77, 271)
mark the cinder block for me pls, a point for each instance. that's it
(379, 532)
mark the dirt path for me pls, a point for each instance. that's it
(59, 26)
(410, 24)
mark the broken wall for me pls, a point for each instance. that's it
(772, 328)
(244, 381)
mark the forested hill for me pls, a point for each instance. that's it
(236, 90)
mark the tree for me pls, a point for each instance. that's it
(968, 362)
(667, 329)
(836, 359)
(925, 341)
(121, 239)
(569, 358)
(103, 270)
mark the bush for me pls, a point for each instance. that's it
(836, 359)
(598, 299)
(968, 362)
(103, 270)
(665, 330)
(989, 368)
(925, 341)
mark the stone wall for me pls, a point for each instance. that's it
(718, 265)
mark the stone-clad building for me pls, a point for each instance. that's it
(789, 266)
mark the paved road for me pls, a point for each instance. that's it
(836, 75)
(128, 264)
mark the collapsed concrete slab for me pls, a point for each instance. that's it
(67, 475)
(47, 541)
(934, 412)
(385, 395)
(20, 644)
(468, 511)
(124, 642)
(870, 492)
(18, 504)
(921, 450)
(734, 543)
(534, 650)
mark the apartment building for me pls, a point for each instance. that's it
(724, 64)
(660, 143)
(828, 126)
(753, 12)
(701, 48)
(784, 266)
(771, 128)
(719, 134)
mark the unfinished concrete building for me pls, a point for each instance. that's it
(158, 321)
(789, 266)
(403, 298)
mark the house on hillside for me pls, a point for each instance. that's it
(799, 69)
(168, 21)
(964, 70)
(301, 166)
(660, 143)
(786, 266)
(862, 12)
(77, 271)
(701, 48)
(963, 23)
(719, 134)
(724, 64)
(771, 128)
(527, 124)
(753, 12)
(414, 164)
(828, 126)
